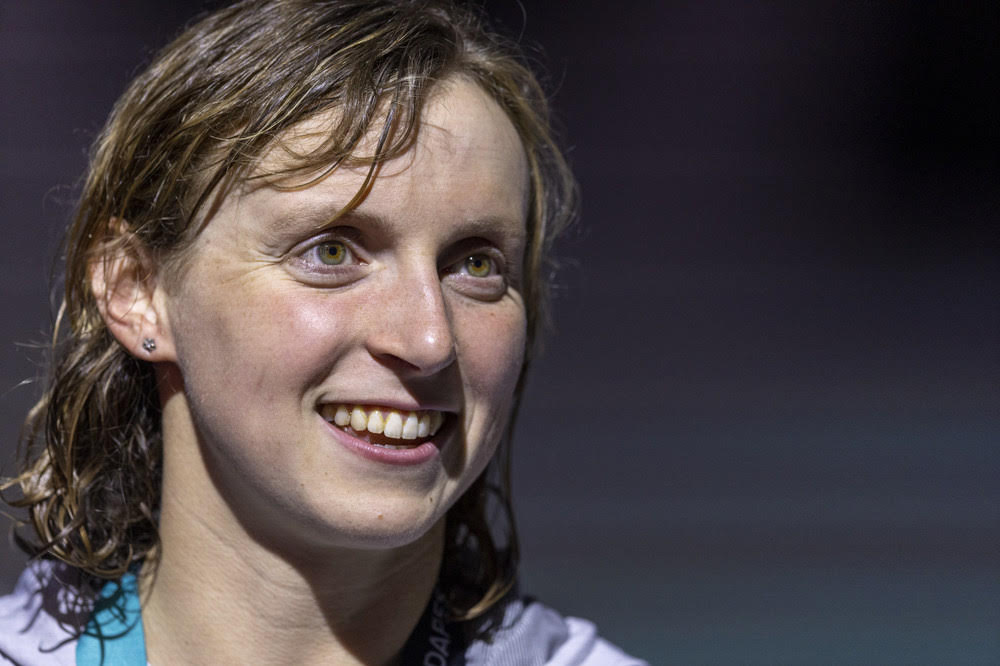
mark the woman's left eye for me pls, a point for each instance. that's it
(481, 276)
(480, 266)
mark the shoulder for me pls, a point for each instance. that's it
(533, 633)
(41, 619)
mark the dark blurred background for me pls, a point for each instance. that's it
(767, 429)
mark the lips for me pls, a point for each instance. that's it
(384, 426)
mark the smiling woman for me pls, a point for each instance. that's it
(372, 314)
(302, 290)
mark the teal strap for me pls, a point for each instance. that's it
(113, 636)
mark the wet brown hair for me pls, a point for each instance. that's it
(192, 125)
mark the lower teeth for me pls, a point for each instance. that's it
(368, 438)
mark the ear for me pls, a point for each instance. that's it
(130, 298)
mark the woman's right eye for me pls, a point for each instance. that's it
(326, 262)
(326, 254)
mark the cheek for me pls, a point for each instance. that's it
(492, 348)
(258, 341)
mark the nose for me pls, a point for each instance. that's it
(414, 331)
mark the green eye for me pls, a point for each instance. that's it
(332, 253)
(479, 265)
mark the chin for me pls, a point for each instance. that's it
(370, 524)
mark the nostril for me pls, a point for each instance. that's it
(421, 348)
(429, 360)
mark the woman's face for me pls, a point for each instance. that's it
(298, 338)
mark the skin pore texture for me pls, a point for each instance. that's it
(285, 537)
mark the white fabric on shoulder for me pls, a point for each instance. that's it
(584, 647)
(38, 621)
(532, 634)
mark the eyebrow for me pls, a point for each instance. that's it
(315, 215)
(323, 215)
(361, 218)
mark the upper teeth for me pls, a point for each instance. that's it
(387, 422)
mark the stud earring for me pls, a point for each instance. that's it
(149, 344)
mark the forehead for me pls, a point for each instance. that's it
(462, 131)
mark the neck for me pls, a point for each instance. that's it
(244, 603)
(222, 592)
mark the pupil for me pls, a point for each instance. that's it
(333, 252)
